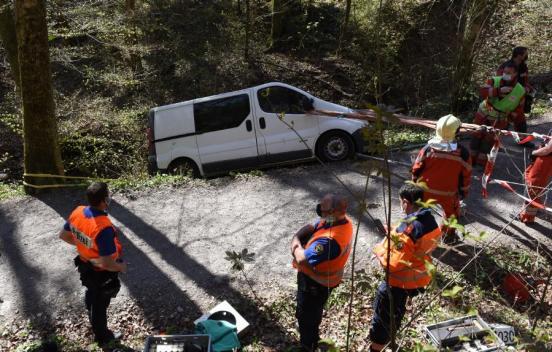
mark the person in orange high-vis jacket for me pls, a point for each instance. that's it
(538, 176)
(445, 167)
(412, 242)
(320, 252)
(99, 257)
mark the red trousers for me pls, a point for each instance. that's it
(482, 142)
(537, 176)
(451, 206)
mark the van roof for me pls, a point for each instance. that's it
(221, 95)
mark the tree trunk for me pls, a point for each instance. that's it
(473, 20)
(9, 39)
(247, 29)
(277, 24)
(344, 25)
(130, 6)
(41, 148)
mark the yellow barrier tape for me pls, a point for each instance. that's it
(70, 177)
(61, 185)
(54, 185)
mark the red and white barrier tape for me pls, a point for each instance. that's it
(532, 202)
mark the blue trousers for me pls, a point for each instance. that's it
(311, 298)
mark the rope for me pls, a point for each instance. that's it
(60, 185)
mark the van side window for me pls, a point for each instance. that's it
(221, 114)
(280, 99)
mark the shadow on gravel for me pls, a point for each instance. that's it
(151, 297)
(161, 298)
(217, 286)
(28, 278)
(516, 231)
(323, 182)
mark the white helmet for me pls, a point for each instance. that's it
(446, 128)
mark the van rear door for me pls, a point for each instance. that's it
(226, 136)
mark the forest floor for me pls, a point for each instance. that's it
(175, 239)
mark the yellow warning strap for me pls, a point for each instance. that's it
(61, 185)
(26, 184)
(70, 177)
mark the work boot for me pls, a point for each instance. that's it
(111, 340)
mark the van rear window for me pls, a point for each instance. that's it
(221, 114)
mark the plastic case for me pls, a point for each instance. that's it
(178, 343)
(469, 333)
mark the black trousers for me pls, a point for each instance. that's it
(311, 298)
(101, 286)
(381, 321)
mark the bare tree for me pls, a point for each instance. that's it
(277, 24)
(472, 22)
(344, 25)
(41, 148)
(9, 38)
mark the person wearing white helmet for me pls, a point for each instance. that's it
(445, 166)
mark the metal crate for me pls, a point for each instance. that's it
(178, 343)
(466, 334)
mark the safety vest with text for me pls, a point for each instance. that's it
(408, 258)
(86, 229)
(499, 108)
(330, 273)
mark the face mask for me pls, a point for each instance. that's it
(330, 219)
(319, 210)
(108, 200)
(507, 77)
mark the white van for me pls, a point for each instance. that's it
(242, 130)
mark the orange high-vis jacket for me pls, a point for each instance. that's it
(330, 273)
(407, 266)
(85, 230)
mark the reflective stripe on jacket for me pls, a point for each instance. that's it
(408, 258)
(445, 173)
(86, 229)
(330, 273)
(499, 108)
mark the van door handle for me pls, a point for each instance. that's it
(262, 123)
(248, 125)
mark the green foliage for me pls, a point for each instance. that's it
(401, 136)
(452, 222)
(238, 259)
(14, 122)
(246, 175)
(42, 345)
(144, 181)
(328, 345)
(421, 347)
(10, 190)
(453, 292)
(104, 144)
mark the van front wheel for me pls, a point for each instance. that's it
(183, 167)
(335, 146)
